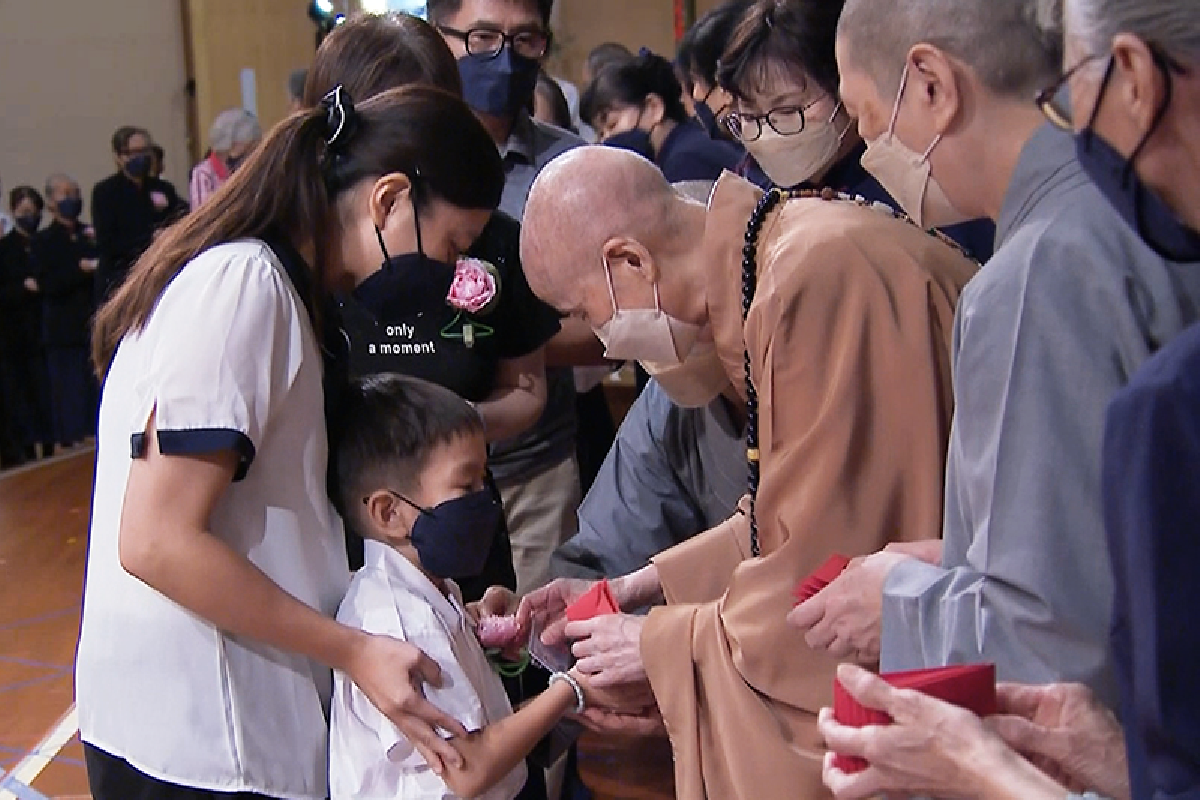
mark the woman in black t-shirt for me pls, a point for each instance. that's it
(405, 319)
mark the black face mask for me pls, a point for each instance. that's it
(453, 539)
(138, 166)
(413, 280)
(1114, 175)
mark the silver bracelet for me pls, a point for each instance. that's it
(580, 704)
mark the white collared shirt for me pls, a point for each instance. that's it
(369, 757)
(228, 360)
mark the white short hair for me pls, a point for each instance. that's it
(232, 127)
(1014, 46)
(1173, 25)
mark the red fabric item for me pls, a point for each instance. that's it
(219, 166)
(822, 577)
(595, 602)
(971, 687)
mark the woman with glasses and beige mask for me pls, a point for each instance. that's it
(780, 71)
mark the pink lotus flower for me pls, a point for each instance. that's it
(498, 632)
(475, 286)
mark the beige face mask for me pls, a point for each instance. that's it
(644, 334)
(791, 160)
(907, 175)
(697, 381)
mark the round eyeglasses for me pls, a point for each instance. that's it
(784, 120)
(489, 42)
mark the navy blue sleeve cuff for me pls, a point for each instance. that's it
(195, 441)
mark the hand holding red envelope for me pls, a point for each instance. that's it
(595, 602)
(971, 687)
(824, 575)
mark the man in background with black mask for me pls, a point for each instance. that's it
(128, 208)
(500, 46)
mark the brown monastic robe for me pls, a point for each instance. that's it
(849, 340)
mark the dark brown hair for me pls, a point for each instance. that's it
(22, 193)
(289, 185)
(782, 39)
(120, 138)
(371, 53)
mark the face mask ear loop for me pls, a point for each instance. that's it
(899, 97)
(928, 150)
(657, 304)
(379, 235)
(612, 292)
(401, 497)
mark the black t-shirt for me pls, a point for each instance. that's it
(417, 332)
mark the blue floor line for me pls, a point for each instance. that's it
(9, 687)
(21, 623)
(22, 791)
(29, 662)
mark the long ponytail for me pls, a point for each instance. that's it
(280, 188)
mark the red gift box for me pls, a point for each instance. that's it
(594, 602)
(824, 575)
(971, 687)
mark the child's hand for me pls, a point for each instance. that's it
(497, 602)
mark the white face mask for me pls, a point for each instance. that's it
(645, 334)
(791, 160)
(696, 382)
(907, 175)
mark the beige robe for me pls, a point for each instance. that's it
(849, 337)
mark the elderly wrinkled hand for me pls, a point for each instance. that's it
(645, 723)
(546, 608)
(609, 649)
(932, 748)
(844, 617)
(1066, 732)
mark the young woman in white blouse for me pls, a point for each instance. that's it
(216, 561)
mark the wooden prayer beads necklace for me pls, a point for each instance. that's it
(769, 202)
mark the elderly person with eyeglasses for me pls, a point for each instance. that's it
(1129, 92)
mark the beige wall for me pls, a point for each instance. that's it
(272, 37)
(580, 25)
(75, 70)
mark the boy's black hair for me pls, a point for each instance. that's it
(388, 424)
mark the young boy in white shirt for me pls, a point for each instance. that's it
(411, 463)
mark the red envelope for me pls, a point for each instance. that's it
(822, 577)
(971, 687)
(595, 602)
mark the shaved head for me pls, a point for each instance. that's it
(582, 200)
(1014, 46)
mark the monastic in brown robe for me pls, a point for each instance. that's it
(849, 340)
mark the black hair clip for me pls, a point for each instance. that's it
(341, 120)
(645, 52)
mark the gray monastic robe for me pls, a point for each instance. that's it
(1060, 318)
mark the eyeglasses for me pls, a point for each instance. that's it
(784, 120)
(1055, 100)
(489, 42)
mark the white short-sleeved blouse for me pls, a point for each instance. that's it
(228, 360)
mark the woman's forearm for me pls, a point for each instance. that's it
(518, 399)
(510, 411)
